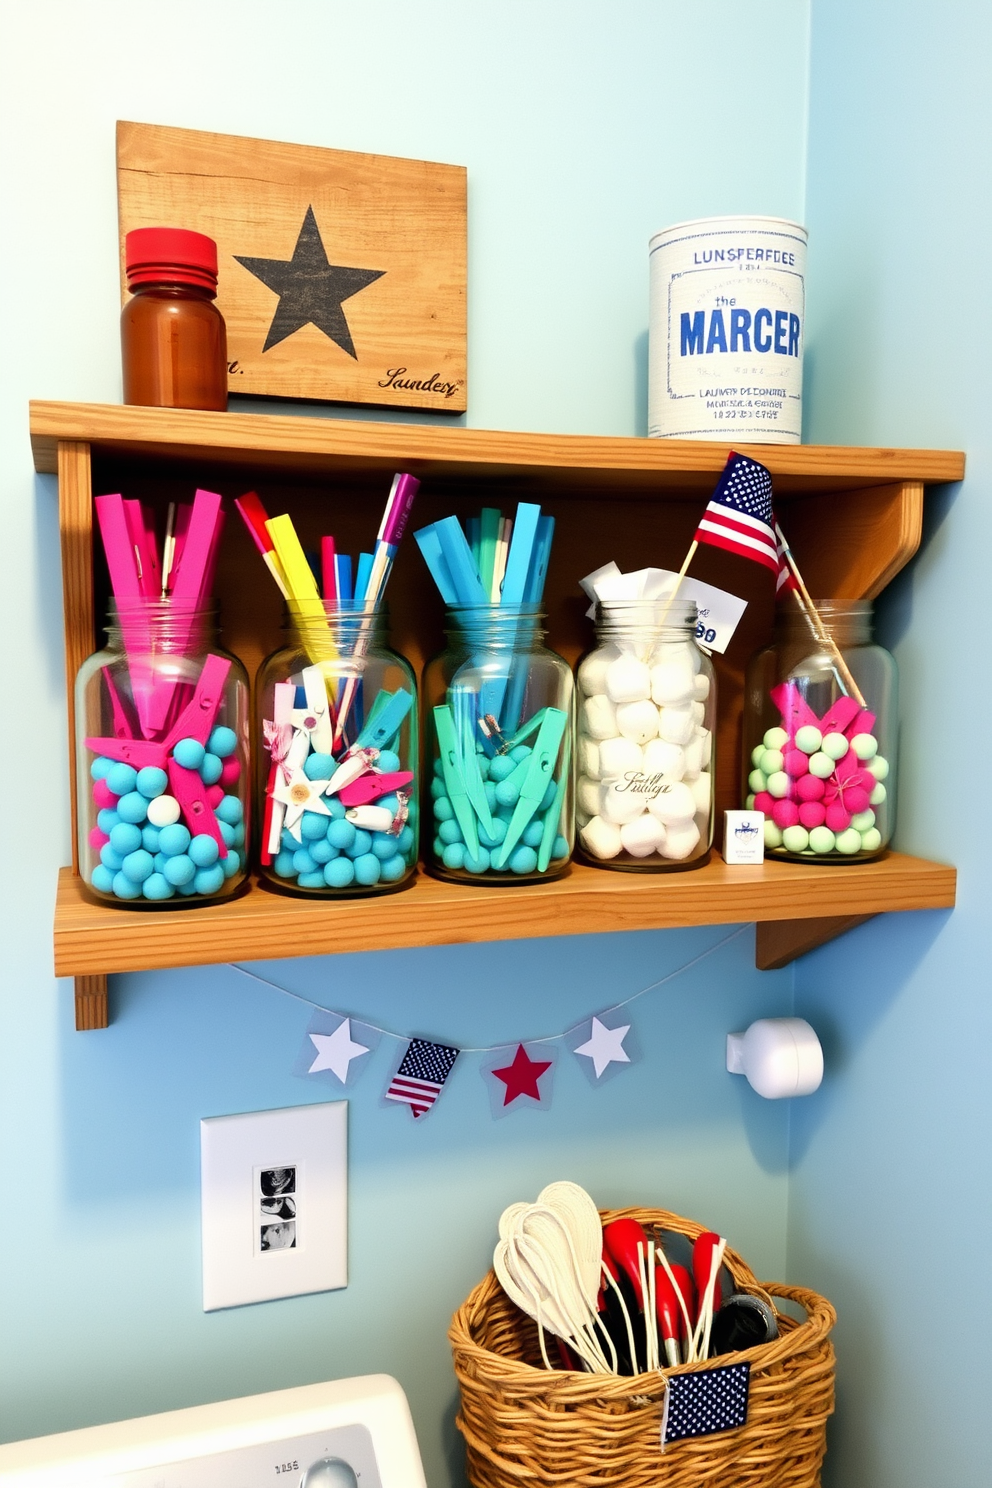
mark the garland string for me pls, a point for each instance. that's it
(548, 1038)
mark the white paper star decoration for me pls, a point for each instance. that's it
(299, 794)
(335, 1051)
(605, 1046)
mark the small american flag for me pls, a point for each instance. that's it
(738, 515)
(786, 579)
(420, 1078)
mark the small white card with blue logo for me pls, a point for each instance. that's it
(744, 837)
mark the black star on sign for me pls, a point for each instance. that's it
(310, 289)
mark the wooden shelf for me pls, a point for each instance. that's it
(91, 939)
(854, 519)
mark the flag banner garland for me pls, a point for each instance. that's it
(421, 1075)
(738, 516)
(604, 1046)
(335, 1049)
(520, 1077)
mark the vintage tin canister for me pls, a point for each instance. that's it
(726, 330)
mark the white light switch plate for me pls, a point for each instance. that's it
(274, 1197)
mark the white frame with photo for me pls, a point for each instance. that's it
(237, 1155)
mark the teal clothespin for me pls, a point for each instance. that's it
(454, 780)
(553, 816)
(541, 764)
(429, 544)
(383, 723)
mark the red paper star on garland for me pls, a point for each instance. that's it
(521, 1077)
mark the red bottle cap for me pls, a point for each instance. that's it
(154, 254)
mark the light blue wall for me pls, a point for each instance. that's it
(890, 1192)
(584, 128)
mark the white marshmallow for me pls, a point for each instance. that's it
(618, 803)
(676, 725)
(638, 721)
(617, 756)
(592, 672)
(680, 651)
(673, 803)
(701, 687)
(628, 680)
(693, 759)
(698, 714)
(600, 839)
(643, 836)
(671, 681)
(662, 758)
(587, 795)
(706, 739)
(589, 758)
(680, 841)
(581, 817)
(599, 717)
(702, 794)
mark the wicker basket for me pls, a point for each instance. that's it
(525, 1425)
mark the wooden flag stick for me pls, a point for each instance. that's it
(820, 630)
(678, 582)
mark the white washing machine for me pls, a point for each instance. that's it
(352, 1433)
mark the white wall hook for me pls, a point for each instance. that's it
(778, 1056)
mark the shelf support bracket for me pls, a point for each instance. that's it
(778, 942)
(91, 1003)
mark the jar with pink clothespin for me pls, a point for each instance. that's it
(820, 727)
(162, 759)
(337, 751)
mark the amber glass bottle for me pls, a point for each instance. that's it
(173, 339)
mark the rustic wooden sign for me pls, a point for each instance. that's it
(342, 277)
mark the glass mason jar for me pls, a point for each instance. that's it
(336, 752)
(161, 760)
(820, 736)
(645, 752)
(500, 710)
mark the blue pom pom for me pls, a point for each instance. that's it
(521, 752)
(209, 880)
(229, 809)
(388, 762)
(559, 848)
(548, 799)
(102, 879)
(204, 852)
(126, 888)
(133, 807)
(450, 831)
(360, 845)
(335, 807)
(138, 866)
(314, 880)
(489, 790)
(179, 870)
(393, 869)
(404, 842)
(174, 839)
(383, 846)
(454, 855)
(151, 839)
(322, 852)
(443, 809)
(110, 859)
(189, 753)
(318, 766)
(210, 769)
(495, 837)
(500, 767)
(101, 767)
(282, 865)
(478, 864)
(288, 842)
(157, 886)
(508, 792)
(223, 741)
(151, 782)
(125, 838)
(339, 873)
(107, 820)
(438, 788)
(231, 864)
(239, 835)
(484, 763)
(341, 834)
(303, 862)
(390, 803)
(523, 860)
(532, 833)
(368, 869)
(228, 833)
(313, 826)
(121, 778)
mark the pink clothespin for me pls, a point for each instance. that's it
(370, 787)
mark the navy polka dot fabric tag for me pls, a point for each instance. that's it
(704, 1402)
